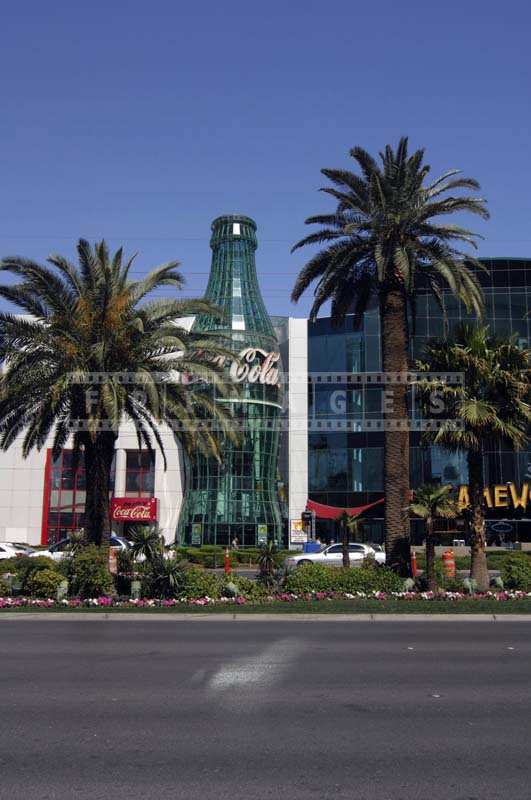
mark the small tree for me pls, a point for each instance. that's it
(349, 524)
(268, 564)
(432, 502)
(146, 542)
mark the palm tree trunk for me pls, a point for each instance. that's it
(430, 556)
(98, 462)
(344, 542)
(394, 332)
(478, 562)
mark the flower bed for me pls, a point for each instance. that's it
(452, 598)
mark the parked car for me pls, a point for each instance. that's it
(10, 550)
(58, 549)
(25, 549)
(333, 556)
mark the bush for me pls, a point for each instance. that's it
(5, 588)
(164, 577)
(44, 582)
(310, 578)
(516, 572)
(198, 583)
(25, 567)
(366, 579)
(247, 588)
(88, 573)
(321, 578)
(207, 556)
(9, 565)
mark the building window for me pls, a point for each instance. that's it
(140, 474)
(64, 497)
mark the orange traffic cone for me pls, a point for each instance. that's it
(226, 561)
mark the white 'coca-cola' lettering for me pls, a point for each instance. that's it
(244, 369)
(132, 512)
(265, 372)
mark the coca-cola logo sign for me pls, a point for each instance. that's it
(264, 372)
(243, 370)
(134, 509)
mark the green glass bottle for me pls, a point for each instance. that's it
(238, 499)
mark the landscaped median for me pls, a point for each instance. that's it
(505, 602)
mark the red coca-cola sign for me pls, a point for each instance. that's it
(134, 509)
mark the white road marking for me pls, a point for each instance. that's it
(258, 671)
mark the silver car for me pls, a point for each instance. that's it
(333, 556)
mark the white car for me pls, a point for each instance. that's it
(58, 550)
(10, 550)
(333, 556)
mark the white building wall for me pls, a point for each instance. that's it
(22, 486)
(21, 494)
(298, 417)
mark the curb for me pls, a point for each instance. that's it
(226, 617)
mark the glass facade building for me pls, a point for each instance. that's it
(239, 498)
(345, 467)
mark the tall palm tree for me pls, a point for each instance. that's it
(95, 351)
(381, 242)
(491, 407)
(432, 502)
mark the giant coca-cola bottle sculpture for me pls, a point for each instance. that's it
(238, 499)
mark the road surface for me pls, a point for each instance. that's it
(251, 710)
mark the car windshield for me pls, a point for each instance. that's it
(59, 546)
(119, 540)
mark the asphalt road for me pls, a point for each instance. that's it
(251, 709)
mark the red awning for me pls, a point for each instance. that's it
(333, 512)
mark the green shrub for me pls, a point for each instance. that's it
(366, 579)
(453, 585)
(247, 588)
(5, 588)
(165, 577)
(207, 556)
(497, 559)
(25, 567)
(516, 572)
(310, 578)
(198, 583)
(122, 584)
(9, 565)
(88, 572)
(321, 578)
(44, 582)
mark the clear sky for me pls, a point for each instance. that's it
(142, 121)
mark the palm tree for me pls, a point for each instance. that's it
(268, 563)
(349, 524)
(432, 502)
(94, 351)
(146, 542)
(490, 405)
(381, 242)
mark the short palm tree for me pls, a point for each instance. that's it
(349, 525)
(382, 241)
(146, 542)
(94, 351)
(432, 502)
(488, 409)
(268, 563)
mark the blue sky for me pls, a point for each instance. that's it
(140, 122)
